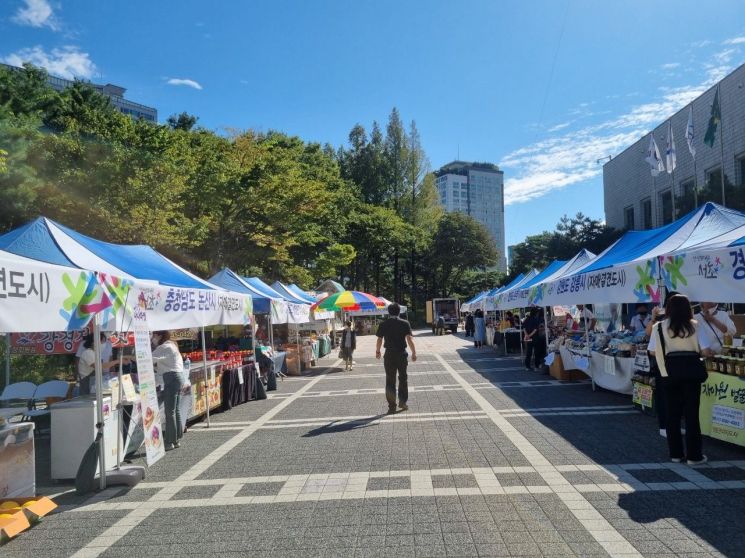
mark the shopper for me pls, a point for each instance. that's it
(86, 364)
(170, 374)
(440, 326)
(348, 345)
(396, 332)
(641, 319)
(479, 329)
(469, 324)
(658, 315)
(584, 317)
(539, 345)
(714, 324)
(676, 344)
(530, 331)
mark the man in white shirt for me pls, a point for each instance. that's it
(714, 324)
(641, 319)
(585, 316)
(106, 349)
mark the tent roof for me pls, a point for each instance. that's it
(710, 225)
(310, 299)
(263, 288)
(47, 241)
(288, 294)
(330, 286)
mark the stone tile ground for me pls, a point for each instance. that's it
(490, 460)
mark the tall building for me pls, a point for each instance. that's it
(476, 189)
(114, 92)
(634, 199)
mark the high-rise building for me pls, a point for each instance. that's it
(476, 189)
(114, 92)
(634, 199)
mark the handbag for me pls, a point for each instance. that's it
(687, 366)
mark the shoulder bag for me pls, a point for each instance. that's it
(685, 366)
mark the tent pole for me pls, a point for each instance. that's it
(206, 378)
(587, 340)
(545, 326)
(7, 359)
(99, 401)
(119, 410)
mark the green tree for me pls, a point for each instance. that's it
(183, 121)
(460, 244)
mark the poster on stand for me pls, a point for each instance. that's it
(151, 423)
(722, 408)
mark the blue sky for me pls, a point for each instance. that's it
(543, 88)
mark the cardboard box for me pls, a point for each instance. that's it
(35, 508)
(11, 526)
(558, 371)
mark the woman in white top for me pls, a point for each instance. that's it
(681, 334)
(86, 358)
(170, 373)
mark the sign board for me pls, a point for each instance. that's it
(643, 395)
(151, 423)
(58, 342)
(641, 362)
(722, 408)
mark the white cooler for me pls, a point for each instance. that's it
(74, 430)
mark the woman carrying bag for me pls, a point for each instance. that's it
(676, 345)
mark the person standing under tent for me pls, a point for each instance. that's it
(658, 315)
(440, 325)
(680, 333)
(396, 333)
(479, 329)
(469, 324)
(530, 332)
(170, 374)
(539, 343)
(585, 316)
(86, 365)
(641, 319)
(714, 324)
(348, 344)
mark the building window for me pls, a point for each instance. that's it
(666, 206)
(647, 213)
(714, 183)
(740, 166)
(628, 218)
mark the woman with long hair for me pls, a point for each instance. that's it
(348, 344)
(479, 329)
(674, 341)
(170, 368)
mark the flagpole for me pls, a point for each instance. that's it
(673, 163)
(695, 185)
(721, 143)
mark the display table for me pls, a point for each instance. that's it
(17, 460)
(238, 386)
(213, 386)
(608, 372)
(722, 408)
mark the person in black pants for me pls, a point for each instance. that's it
(539, 346)
(469, 324)
(396, 333)
(530, 331)
(679, 334)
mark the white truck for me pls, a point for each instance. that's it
(448, 308)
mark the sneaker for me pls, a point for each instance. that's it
(694, 462)
(677, 460)
(391, 411)
(663, 432)
(170, 447)
(403, 406)
(176, 445)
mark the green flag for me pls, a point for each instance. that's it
(714, 120)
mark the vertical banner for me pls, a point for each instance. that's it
(151, 424)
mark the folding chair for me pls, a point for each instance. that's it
(15, 399)
(46, 394)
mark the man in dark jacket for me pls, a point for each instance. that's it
(397, 334)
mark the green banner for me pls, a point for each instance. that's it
(722, 409)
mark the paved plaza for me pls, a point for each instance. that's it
(490, 460)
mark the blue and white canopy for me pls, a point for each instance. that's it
(228, 279)
(696, 255)
(297, 313)
(310, 299)
(490, 303)
(47, 241)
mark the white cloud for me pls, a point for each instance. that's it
(735, 41)
(187, 82)
(701, 44)
(36, 13)
(558, 127)
(68, 62)
(572, 156)
(670, 66)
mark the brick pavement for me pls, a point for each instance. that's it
(490, 460)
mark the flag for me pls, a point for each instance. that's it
(714, 120)
(670, 158)
(689, 133)
(653, 157)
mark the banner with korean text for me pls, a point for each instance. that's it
(722, 408)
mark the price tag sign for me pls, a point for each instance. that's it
(737, 342)
(549, 360)
(641, 362)
(240, 375)
(610, 365)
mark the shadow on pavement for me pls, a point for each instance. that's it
(341, 426)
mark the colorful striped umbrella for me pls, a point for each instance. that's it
(349, 301)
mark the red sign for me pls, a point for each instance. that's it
(58, 342)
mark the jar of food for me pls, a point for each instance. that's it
(711, 365)
(730, 366)
(740, 367)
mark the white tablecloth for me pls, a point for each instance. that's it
(612, 373)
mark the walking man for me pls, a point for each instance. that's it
(397, 333)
